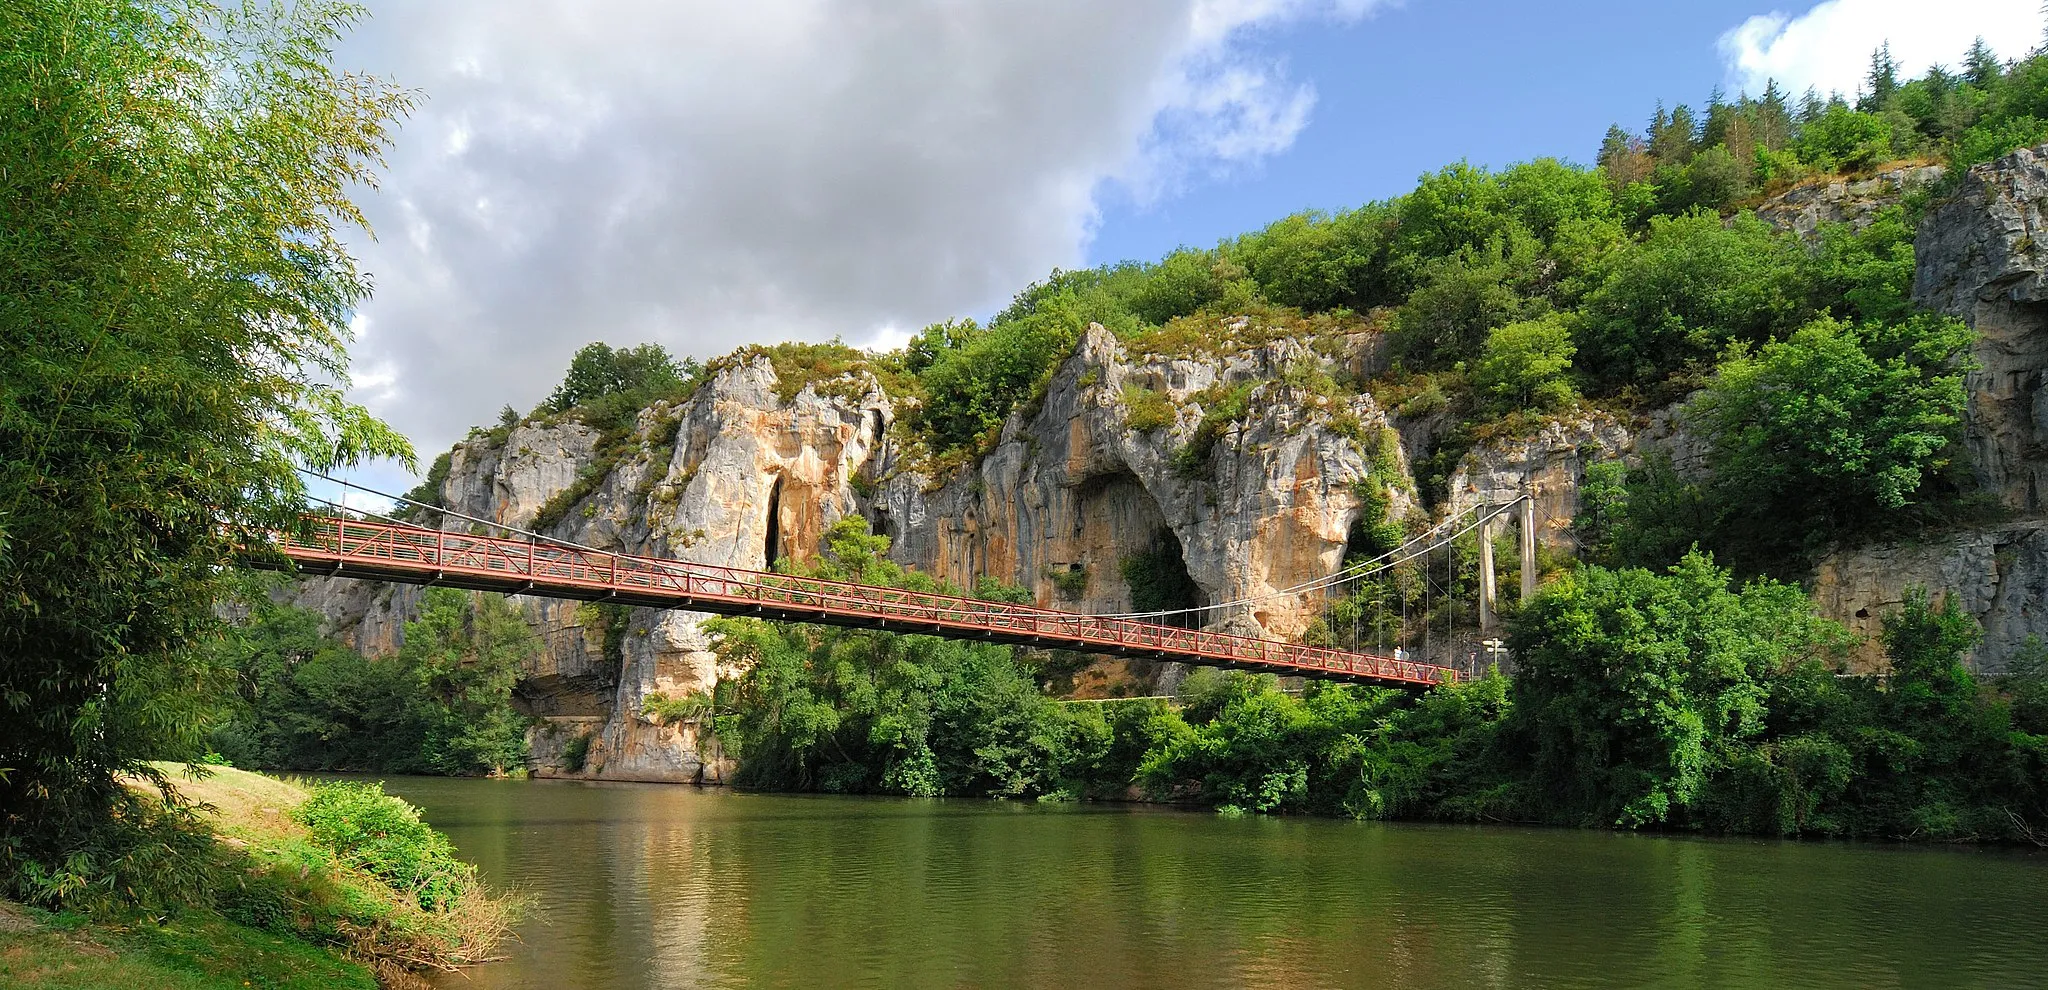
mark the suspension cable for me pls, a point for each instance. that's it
(1386, 561)
(1398, 555)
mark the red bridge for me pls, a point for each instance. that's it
(416, 555)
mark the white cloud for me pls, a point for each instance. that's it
(365, 502)
(1828, 47)
(704, 175)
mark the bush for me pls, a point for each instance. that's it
(1839, 429)
(1460, 300)
(1525, 365)
(443, 704)
(385, 836)
(665, 710)
(1693, 286)
(1070, 582)
(611, 385)
(1841, 139)
(1146, 410)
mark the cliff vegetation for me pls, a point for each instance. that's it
(1673, 699)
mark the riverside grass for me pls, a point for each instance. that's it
(322, 885)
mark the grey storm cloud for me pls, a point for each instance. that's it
(708, 175)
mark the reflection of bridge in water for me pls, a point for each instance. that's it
(390, 551)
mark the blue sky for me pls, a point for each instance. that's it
(1412, 88)
(710, 175)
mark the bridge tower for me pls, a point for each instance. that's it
(1488, 606)
(1486, 602)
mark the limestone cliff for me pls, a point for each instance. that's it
(1978, 259)
(1076, 488)
(1072, 490)
(1236, 460)
(733, 476)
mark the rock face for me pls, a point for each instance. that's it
(1076, 490)
(1856, 202)
(1999, 575)
(766, 476)
(1977, 259)
(1070, 493)
(1549, 467)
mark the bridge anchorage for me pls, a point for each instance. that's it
(529, 564)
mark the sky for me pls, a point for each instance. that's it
(707, 175)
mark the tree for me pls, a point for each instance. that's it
(1673, 137)
(1713, 180)
(974, 382)
(1460, 300)
(1624, 158)
(174, 305)
(1182, 283)
(301, 701)
(613, 385)
(1837, 429)
(1546, 194)
(1634, 688)
(1526, 364)
(467, 650)
(443, 704)
(856, 711)
(1882, 80)
(1693, 285)
(1841, 139)
(1980, 64)
(1458, 207)
(1321, 262)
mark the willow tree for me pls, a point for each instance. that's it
(174, 313)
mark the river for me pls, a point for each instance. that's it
(658, 886)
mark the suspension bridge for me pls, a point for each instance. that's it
(530, 564)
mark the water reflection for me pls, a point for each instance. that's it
(645, 886)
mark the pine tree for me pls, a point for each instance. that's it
(1623, 159)
(1773, 118)
(1980, 66)
(1811, 106)
(1882, 81)
(1720, 113)
(1613, 146)
(1674, 142)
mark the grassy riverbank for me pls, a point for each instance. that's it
(333, 885)
(195, 951)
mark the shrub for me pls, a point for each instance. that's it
(1071, 582)
(1841, 428)
(1844, 139)
(385, 836)
(664, 710)
(1146, 410)
(1525, 365)
(576, 753)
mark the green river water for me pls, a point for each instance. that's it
(645, 886)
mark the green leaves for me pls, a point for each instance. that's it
(173, 327)
(610, 386)
(1525, 365)
(442, 705)
(1631, 686)
(1839, 428)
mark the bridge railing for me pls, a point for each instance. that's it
(343, 540)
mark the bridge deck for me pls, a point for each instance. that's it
(417, 555)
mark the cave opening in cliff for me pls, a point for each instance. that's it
(771, 549)
(1159, 581)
